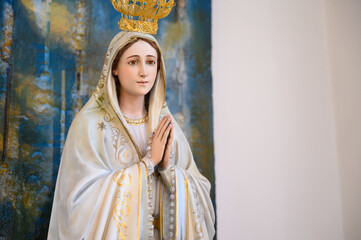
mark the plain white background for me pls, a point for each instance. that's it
(287, 119)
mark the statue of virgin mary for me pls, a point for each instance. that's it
(114, 181)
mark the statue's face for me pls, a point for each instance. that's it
(137, 69)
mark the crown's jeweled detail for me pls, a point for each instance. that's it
(142, 15)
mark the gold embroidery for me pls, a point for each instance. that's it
(139, 196)
(122, 210)
(122, 179)
(101, 126)
(176, 202)
(186, 187)
(108, 117)
(121, 148)
(161, 209)
(198, 212)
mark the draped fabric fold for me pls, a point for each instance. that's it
(102, 186)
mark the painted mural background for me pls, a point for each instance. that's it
(52, 52)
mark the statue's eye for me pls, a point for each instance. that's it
(152, 62)
(133, 62)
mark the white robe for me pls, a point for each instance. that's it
(102, 189)
(138, 133)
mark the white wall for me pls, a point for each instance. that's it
(344, 41)
(277, 174)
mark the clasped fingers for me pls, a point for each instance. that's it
(162, 130)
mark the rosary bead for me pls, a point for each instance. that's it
(198, 228)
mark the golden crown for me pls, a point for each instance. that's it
(142, 15)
